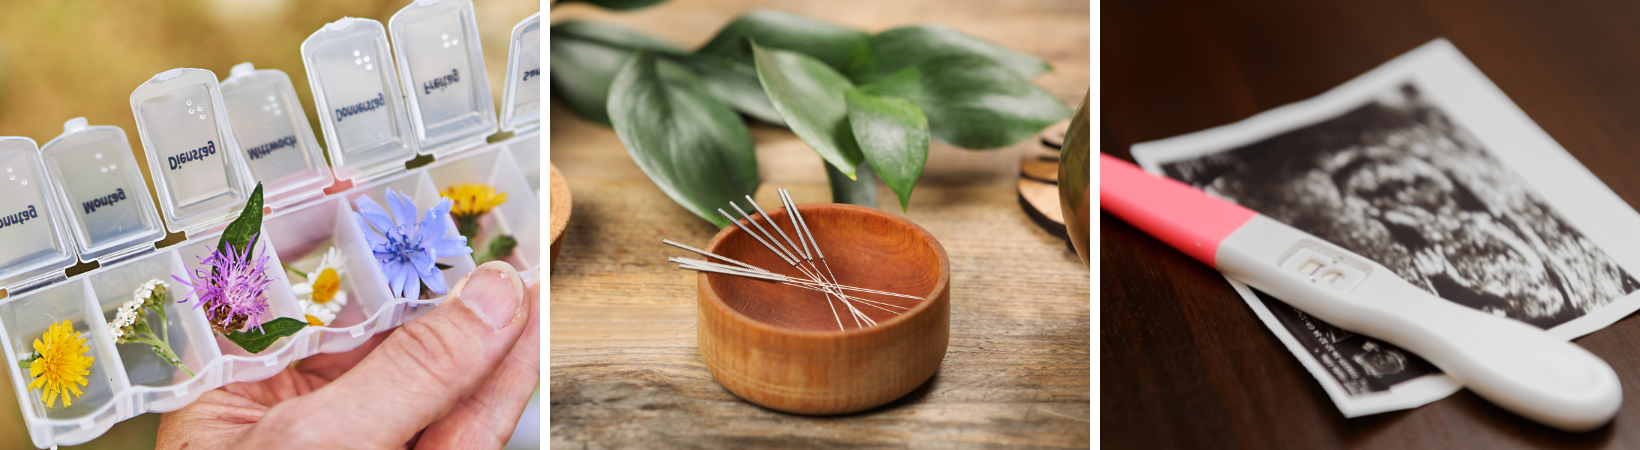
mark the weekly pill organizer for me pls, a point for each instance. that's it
(380, 103)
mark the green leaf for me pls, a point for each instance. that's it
(256, 341)
(809, 96)
(893, 134)
(693, 147)
(735, 84)
(244, 231)
(861, 190)
(623, 5)
(585, 57)
(894, 50)
(499, 247)
(831, 44)
(973, 102)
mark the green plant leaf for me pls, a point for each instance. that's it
(585, 57)
(809, 96)
(894, 50)
(256, 341)
(893, 134)
(973, 102)
(693, 147)
(831, 44)
(623, 5)
(735, 84)
(862, 190)
(244, 231)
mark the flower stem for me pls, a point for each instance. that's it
(163, 350)
(290, 269)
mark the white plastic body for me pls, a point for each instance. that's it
(1514, 365)
(521, 95)
(441, 69)
(127, 380)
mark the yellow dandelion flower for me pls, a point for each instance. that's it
(60, 364)
(473, 200)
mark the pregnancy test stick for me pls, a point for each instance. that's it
(1514, 365)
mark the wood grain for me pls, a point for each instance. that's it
(625, 370)
(778, 347)
(559, 210)
(1185, 362)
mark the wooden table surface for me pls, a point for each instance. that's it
(1184, 362)
(625, 370)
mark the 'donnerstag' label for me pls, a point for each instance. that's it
(106, 200)
(360, 108)
(192, 155)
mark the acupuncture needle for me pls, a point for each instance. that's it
(782, 255)
(696, 264)
(793, 260)
(788, 239)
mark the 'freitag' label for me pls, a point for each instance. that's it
(260, 151)
(192, 155)
(106, 200)
(440, 83)
(361, 107)
(18, 218)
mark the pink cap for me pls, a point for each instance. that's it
(1185, 218)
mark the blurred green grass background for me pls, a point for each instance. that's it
(61, 59)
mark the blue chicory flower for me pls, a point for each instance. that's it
(405, 249)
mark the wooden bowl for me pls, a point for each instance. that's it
(558, 211)
(780, 346)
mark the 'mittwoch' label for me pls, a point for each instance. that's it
(19, 217)
(440, 83)
(260, 151)
(192, 155)
(106, 200)
(360, 108)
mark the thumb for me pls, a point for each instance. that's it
(415, 376)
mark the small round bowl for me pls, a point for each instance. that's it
(780, 346)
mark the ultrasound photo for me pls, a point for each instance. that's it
(1397, 181)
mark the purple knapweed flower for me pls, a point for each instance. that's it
(406, 249)
(231, 289)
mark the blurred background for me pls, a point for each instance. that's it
(61, 59)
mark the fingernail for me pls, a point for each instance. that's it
(493, 292)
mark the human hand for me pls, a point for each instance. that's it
(448, 379)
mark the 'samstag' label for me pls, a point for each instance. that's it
(19, 217)
(361, 107)
(106, 200)
(260, 151)
(192, 155)
(440, 83)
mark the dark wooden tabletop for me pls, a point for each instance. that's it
(1184, 363)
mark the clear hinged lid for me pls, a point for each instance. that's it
(198, 169)
(441, 66)
(521, 96)
(272, 129)
(98, 182)
(32, 244)
(356, 88)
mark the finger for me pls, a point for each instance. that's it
(415, 376)
(332, 365)
(486, 419)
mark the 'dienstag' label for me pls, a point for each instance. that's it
(192, 155)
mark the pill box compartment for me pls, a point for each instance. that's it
(519, 216)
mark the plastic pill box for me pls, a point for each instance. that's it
(207, 144)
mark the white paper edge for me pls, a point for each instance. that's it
(1450, 81)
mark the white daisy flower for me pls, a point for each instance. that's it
(318, 315)
(323, 289)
